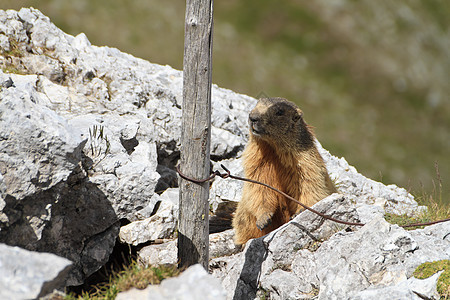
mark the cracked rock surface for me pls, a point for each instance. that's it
(375, 261)
(89, 138)
(30, 275)
(87, 135)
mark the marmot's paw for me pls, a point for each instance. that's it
(264, 221)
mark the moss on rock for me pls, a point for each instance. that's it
(427, 269)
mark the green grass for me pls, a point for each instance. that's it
(402, 220)
(132, 276)
(428, 269)
(437, 209)
(12, 70)
(14, 52)
(14, 49)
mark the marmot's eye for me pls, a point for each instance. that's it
(279, 112)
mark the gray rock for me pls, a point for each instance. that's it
(134, 294)
(159, 254)
(279, 285)
(226, 189)
(425, 288)
(73, 219)
(356, 261)
(391, 198)
(101, 80)
(434, 245)
(159, 226)
(162, 225)
(220, 244)
(148, 210)
(224, 143)
(412, 288)
(375, 256)
(127, 177)
(171, 195)
(29, 275)
(308, 257)
(95, 253)
(136, 103)
(241, 272)
(3, 216)
(4, 43)
(39, 148)
(44, 190)
(194, 283)
(72, 209)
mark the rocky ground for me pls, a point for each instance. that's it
(89, 138)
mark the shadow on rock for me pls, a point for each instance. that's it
(247, 284)
(73, 219)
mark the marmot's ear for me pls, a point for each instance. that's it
(298, 115)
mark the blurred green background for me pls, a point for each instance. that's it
(372, 77)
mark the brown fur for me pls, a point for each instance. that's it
(281, 152)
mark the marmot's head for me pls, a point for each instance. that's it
(279, 121)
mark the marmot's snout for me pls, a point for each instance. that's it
(254, 121)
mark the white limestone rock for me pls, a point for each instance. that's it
(39, 147)
(30, 275)
(372, 261)
(159, 226)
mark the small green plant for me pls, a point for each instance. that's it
(427, 269)
(10, 69)
(337, 183)
(14, 48)
(314, 245)
(314, 291)
(263, 294)
(132, 276)
(435, 211)
(99, 145)
(404, 219)
(437, 208)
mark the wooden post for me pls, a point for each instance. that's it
(193, 227)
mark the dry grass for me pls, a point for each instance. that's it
(132, 276)
(436, 201)
(437, 209)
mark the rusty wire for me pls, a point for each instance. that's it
(228, 174)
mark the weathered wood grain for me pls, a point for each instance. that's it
(193, 239)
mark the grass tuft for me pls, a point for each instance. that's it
(436, 210)
(437, 207)
(132, 276)
(14, 48)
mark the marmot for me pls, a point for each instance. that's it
(281, 152)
